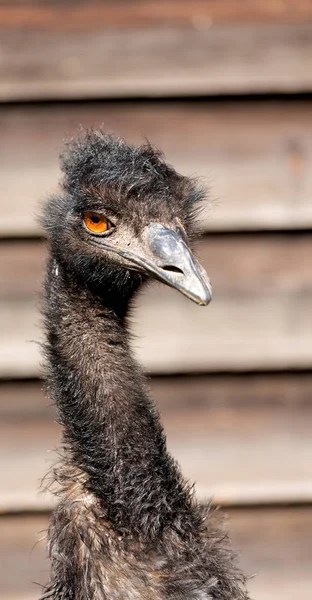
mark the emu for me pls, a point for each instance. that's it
(127, 525)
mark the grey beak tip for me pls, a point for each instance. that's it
(205, 297)
(205, 301)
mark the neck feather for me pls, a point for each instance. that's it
(112, 431)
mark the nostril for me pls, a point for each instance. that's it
(172, 268)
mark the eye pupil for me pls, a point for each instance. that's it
(95, 219)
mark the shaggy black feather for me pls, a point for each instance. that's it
(127, 525)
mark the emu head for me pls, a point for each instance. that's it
(124, 215)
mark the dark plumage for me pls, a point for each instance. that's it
(127, 526)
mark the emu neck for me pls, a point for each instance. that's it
(111, 428)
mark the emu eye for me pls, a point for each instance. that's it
(96, 223)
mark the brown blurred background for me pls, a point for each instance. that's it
(223, 87)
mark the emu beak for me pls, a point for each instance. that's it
(165, 255)
(175, 265)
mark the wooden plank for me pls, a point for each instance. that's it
(179, 59)
(242, 439)
(127, 14)
(240, 264)
(260, 317)
(255, 156)
(275, 544)
(22, 400)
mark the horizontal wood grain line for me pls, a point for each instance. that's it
(273, 543)
(255, 452)
(235, 495)
(190, 61)
(255, 157)
(137, 13)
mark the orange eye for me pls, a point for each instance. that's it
(96, 222)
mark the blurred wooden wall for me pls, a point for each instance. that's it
(223, 87)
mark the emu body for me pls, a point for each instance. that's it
(127, 526)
